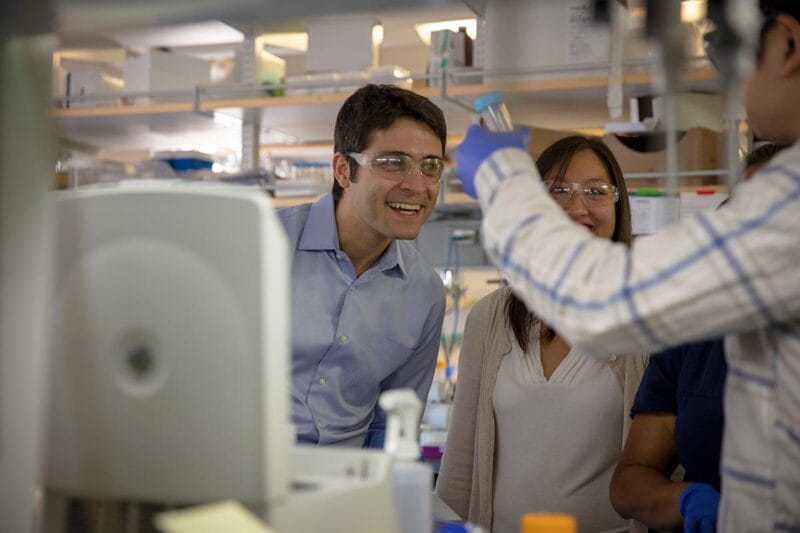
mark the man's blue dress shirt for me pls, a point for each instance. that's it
(355, 337)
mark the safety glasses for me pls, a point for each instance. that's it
(397, 165)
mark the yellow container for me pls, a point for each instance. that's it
(548, 523)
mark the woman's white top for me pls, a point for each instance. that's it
(558, 440)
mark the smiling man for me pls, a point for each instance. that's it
(367, 310)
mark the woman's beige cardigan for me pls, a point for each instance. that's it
(467, 471)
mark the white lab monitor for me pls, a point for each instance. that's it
(169, 371)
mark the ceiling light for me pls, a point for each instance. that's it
(424, 30)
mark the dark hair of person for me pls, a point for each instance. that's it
(554, 162)
(770, 9)
(377, 107)
(762, 154)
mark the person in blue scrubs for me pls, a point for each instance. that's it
(677, 420)
(367, 310)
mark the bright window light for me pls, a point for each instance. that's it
(377, 35)
(693, 10)
(226, 120)
(424, 30)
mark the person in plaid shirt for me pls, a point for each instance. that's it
(734, 272)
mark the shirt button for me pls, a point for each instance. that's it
(612, 358)
(344, 338)
(323, 381)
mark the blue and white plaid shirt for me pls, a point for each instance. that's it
(733, 272)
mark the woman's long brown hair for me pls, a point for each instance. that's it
(558, 156)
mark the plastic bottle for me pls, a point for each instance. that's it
(413, 480)
(548, 523)
(494, 112)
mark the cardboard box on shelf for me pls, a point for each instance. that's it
(698, 149)
(692, 110)
(541, 138)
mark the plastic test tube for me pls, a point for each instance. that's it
(494, 112)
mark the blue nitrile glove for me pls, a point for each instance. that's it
(478, 145)
(698, 505)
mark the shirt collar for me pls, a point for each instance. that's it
(319, 234)
(392, 259)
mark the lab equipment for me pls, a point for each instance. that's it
(170, 363)
(413, 480)
(492, 109)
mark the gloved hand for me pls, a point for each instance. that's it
(698, 505)
(478, 145)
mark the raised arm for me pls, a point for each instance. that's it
(730, 270)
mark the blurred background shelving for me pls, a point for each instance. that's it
(258, 84)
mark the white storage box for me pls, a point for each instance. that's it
(537, 34)
(85, 89)
(158, 71)
(339, 44)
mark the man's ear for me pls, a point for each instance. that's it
(341, 169)
(790, 27)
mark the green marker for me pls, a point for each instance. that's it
(647, 192)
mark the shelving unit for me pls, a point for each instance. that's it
(570, 99)
(576, 101)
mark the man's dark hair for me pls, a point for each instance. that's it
(377, 107)
(772, 8)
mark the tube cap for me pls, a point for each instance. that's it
(485, 101)
(548, 523)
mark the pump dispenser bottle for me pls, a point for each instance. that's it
(413, 480)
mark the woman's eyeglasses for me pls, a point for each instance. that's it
(596, 192)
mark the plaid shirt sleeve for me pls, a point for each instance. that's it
(735, 269)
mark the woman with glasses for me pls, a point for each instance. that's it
(536, 424)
